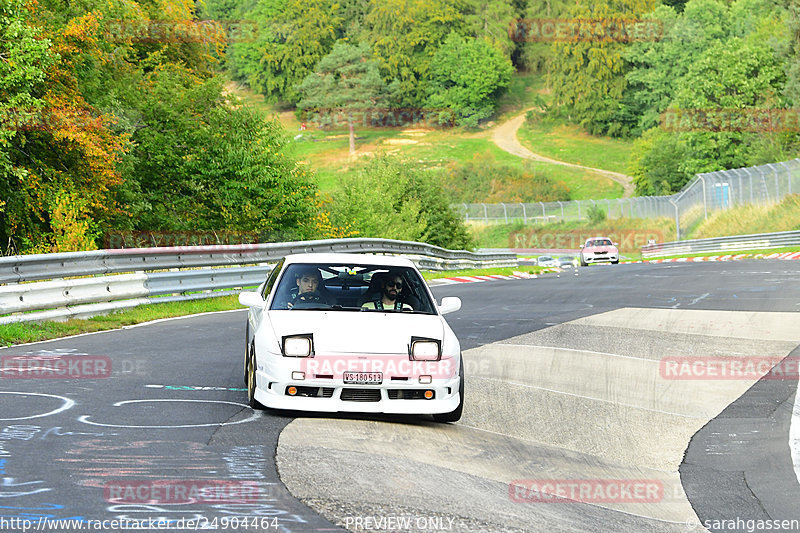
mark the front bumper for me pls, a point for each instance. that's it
(335, 396)
(604, 258)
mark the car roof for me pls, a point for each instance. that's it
(346, 258)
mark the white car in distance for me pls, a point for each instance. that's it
(352, 333)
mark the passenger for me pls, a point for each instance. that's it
(391, 295)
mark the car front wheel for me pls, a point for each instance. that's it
(583, 263)
(251, 379)
(454, 415)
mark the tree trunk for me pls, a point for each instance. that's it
(352, 137)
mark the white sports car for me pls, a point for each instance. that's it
(351, 332)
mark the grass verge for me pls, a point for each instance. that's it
(764, 251)
(571, 144)
(480, 272)
(23, 332)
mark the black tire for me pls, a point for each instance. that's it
(583, 263)
(615, 262)
(454, 415)
(246, 350)
(251, 379)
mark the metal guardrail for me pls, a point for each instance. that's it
(724, 244)
(18, 268)
(125, 278)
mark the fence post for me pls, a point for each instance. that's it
(705, 205)
(505, 212)
(524, 215)
(579, 209)
(466, 210)
(677, 221)
(562, 210)
(485, 214)
(788, 178)
(544, 215)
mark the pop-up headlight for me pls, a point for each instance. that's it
(298, 345)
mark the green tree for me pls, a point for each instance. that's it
(294, 36)
(588, 76)
(200, 162)
(404, 35)
(345, 82)
(489, 20)
(658, 163)
(466, 78)
(735, 75)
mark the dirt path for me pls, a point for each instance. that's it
(505, 137)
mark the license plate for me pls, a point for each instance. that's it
(363, 378)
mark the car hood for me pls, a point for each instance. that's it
(374, 332)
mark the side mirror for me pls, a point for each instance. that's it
(450, 304)
(250, 299)
(581, 246)
(615, 243)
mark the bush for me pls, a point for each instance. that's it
(596, 215)
(394, 200)
(484, 180)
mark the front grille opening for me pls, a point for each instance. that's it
(361, 395)
(312, 392)
(408, 394)
(399, 378)
(324, 376)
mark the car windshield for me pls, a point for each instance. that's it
(351, 287)
(600, 242)
(545, 258)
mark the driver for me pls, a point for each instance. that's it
(391, 295)
(308, 281)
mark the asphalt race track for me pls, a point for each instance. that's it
(573, 378)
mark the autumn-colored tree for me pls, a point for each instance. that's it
(62, 159)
